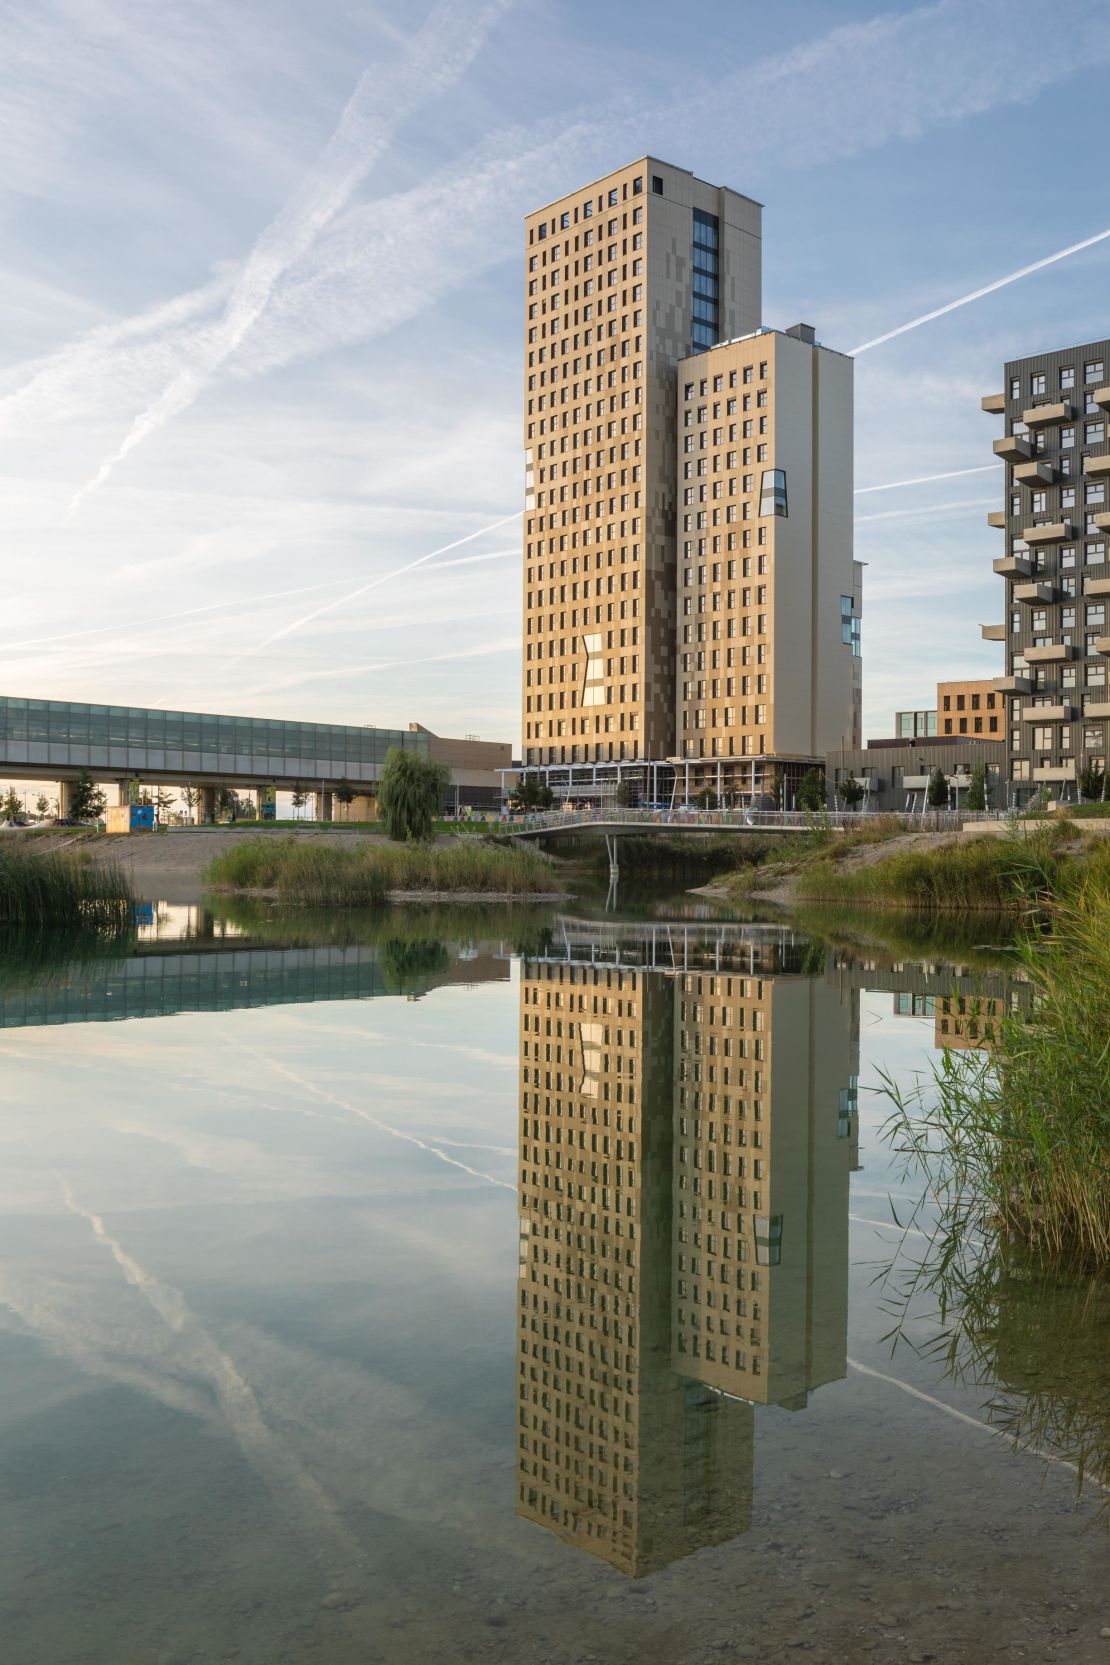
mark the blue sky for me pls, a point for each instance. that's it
(259, 280)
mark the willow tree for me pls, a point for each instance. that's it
(411, 794)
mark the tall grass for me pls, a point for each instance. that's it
(324, 875)
(1019, 1140)
(61, 891)
(972, 875)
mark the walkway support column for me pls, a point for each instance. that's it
(206, 805)
(65, 798)
(324, 804)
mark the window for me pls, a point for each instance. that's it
(1067, 438)
(657, 184)
(1094, 433)
(1037, 383)
(1067, 377)
(1015, 388)
(772, 492)
(1093, 371)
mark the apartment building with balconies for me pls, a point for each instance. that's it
(1056, 523)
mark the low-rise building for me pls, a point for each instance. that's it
(895, 773)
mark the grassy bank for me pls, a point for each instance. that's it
(322, 875)
(1019, 1139)
(768, 860)
(59, 891)
(992, 875)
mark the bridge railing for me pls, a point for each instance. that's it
(797, 820)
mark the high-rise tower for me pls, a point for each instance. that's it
(623, 278)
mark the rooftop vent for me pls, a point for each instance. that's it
(803, 332)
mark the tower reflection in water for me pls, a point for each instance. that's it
(685, 1145)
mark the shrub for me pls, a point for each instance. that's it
(811, 792)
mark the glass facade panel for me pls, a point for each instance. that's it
(292, 748)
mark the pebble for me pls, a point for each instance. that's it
(837, 1474)
(339, 1601)
(1105, 1633)
(889, 1619)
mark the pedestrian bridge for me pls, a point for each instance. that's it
(613, 824)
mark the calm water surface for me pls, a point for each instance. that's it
(510, 1289)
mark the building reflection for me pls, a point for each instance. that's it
(685, 1145)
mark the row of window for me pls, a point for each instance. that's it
(1094, 371)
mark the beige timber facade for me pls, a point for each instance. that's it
(768, 674)
(972, 707)
(623, 278)
(685, 1149)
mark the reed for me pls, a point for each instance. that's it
(323, 875)
(1018, 1140)
(61, 891)
(970, 876)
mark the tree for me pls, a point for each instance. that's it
(225, 801)
(11, 804)
(86, 800)
(706, 798)
(626, 794)
(190, 797)
(531, 792)
(937, 794)
(411, 793)
(42, 804)
(811, 792)
(1092, 781)
(163, 801)
(345, 795)
(300, 794)
(852, 792)
(979, 790)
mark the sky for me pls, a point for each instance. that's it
(262, 305)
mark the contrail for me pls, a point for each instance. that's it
(364, 1115)
(977, 294)
(927, 479)
(364, 589)
(380, 104)
(930, 509)
(976, 1422)
(168, 618)
(262, 1448)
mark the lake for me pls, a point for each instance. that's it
(517, 1286)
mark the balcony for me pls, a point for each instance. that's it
(918, 783)
(993, 632)
(1101, 398)
(1016, 684)
(1013, 566)
(1033, 593)
(1053, 653)
(1042, 416)
(1014, 448)
(1102, 521)
(1097, 708)
(1097, 586)
(997, 517)
(1061, 713)
(1102, 644)
(1056, 771)
(1050, 531)
(1035, 473)
(993, 403)
(1096, 468)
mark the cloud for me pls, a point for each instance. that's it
(320, 277)
(440, 53)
